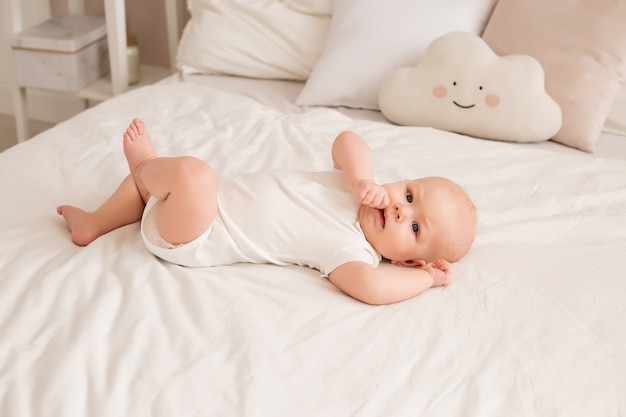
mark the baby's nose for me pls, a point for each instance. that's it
(400, 211)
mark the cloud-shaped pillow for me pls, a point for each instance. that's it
(461, 85)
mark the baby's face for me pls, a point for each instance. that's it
(415, 225)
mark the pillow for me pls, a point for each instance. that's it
(368, 39)
(461, 85)
(616, 122)
(582, 48)
(255, 38)
(311, 6)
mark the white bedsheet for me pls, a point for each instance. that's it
(281, 95)
(533, 323)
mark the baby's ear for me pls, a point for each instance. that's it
(418, 263)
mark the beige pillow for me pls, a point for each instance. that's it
(582, 48)
(616, 122)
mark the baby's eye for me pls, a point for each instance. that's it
(409, 197)
(415, 227)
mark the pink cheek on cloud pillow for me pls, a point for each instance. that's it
(461, 85)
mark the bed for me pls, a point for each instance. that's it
(532, 324)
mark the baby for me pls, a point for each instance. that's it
(341, 222)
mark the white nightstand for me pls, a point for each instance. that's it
(116, 81)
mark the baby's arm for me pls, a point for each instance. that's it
(353, 156)
(386, 285)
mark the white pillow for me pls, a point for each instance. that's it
(368, 39)
(462, 86)
(253, 38)
(311, 6)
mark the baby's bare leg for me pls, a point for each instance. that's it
(123, 207)
(185, 185)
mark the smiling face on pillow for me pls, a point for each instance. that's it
(490, 99)
(461, 85)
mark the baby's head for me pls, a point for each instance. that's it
(427, 219)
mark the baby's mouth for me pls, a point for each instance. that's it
(382, 217)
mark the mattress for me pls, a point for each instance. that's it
(532, 322)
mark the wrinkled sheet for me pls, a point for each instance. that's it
(533, 323)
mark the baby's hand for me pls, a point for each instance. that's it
(440, 270)
(371, 194)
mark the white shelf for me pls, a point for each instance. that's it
(103, 88)
(117, 80)
(115, 14)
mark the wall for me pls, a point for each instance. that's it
(145, 18)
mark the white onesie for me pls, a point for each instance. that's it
(280, 217)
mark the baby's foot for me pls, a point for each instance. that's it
(83, 228)
(137, 146)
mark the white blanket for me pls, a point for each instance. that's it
(532, 324)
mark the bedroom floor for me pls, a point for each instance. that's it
(8, 134)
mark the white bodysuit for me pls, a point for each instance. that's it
(280, 217)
